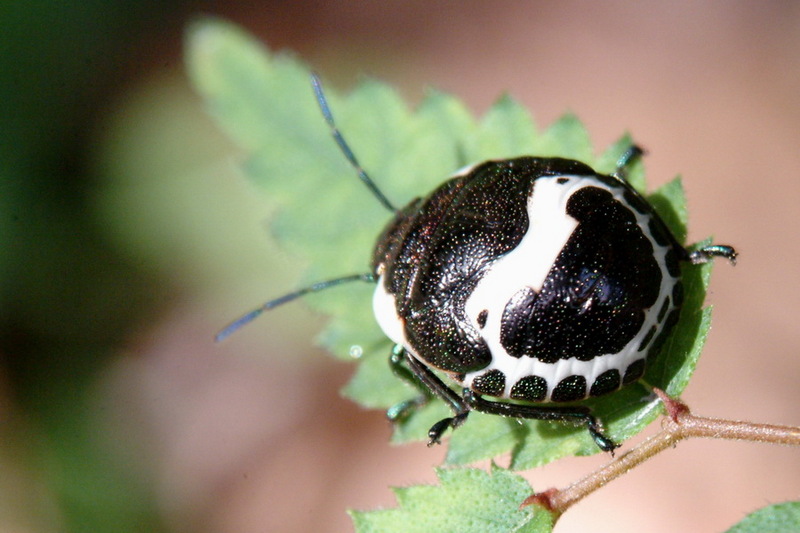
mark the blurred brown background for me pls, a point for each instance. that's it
(130, 238)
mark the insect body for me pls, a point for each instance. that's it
(532, 279)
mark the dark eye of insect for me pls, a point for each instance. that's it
(530, 283)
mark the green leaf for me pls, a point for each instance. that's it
(327, 219)
(484, 436)
(372, 386)
(669, 201)
(777, 518)
(468, 500)
(672, 369)
(506, 131)
(567, 138)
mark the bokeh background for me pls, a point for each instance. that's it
(129, 237)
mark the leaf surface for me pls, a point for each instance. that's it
(467, 500)
(329, 221)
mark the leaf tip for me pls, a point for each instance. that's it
(201, 30)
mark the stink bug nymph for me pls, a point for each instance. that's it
(533, 281)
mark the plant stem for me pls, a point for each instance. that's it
(679, 424)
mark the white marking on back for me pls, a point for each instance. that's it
(383, 305)
(528, 265)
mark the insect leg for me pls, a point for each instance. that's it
(538, 412)
(430, 385)
(707, 253)
(630, 156)
(401, 410)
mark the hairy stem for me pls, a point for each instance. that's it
(679, 424)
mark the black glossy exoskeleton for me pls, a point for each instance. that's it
(531, 279)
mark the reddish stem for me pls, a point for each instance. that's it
(680, 424)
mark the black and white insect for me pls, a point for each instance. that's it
(534, 281)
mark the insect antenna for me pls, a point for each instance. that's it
(321, 285)
(316, 287)
(343, 146)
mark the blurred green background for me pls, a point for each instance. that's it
(116, 210)
(130, 237)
